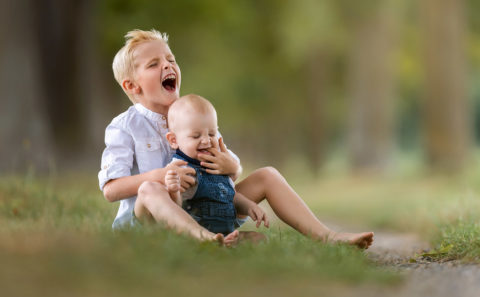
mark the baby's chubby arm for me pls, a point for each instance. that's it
(172, 182)
(221, 161)
(127, 186)
(244, 206)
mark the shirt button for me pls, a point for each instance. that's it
(149, 145)
(163, 117)
(164, 126)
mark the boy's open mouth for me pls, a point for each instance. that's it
(170, 82)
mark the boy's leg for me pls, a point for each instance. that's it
(268, 183)
(154, 203)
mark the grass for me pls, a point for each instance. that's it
(56, 240)
(461, 240)
(443, 209)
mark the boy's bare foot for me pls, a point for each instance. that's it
(361, 240)
(231, 239)
(252, 236)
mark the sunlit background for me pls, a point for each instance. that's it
(371, 109)
(294, 82)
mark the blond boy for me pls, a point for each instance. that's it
(137, 154)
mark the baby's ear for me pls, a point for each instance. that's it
(172, 139)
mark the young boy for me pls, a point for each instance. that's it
(212, 202)
(137, 154)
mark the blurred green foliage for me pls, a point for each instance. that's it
(250, 58)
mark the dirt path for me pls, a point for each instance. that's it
(425, 278)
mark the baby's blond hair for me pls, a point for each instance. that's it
(186, 105)
(123, 64)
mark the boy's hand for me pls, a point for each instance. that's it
(185, 174)
(222, 162)
(258, 215)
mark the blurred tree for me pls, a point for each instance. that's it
(446, 113)
(309, 35)
(58, 25)
(48, 71)
(25, 138)
(371, 82)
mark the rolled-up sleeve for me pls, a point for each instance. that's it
(117, 158)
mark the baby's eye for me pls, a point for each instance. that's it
(211, 135)
(152, 65)
(195, 136)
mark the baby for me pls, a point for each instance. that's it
(212, 201)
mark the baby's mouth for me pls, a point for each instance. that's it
(204, 151)
(170, 82)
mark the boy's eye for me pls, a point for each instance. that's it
(152, 65)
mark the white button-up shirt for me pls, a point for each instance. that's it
(135, 143)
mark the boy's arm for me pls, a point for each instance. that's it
(115, 179)
(127, 186)
(222, 162)
(244, 206)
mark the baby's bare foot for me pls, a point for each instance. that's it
(231, 239)
(218, 238)
(361, 240)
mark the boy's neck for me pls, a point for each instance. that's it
(151, 114)
(158, 109)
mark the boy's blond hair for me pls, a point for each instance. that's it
(187, 104)
(123, 64)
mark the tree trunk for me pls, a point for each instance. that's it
(370, 84)
(317, 69)
(25, 139)
(445, 109)
(58, 26)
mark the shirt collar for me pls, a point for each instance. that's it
(149, 114)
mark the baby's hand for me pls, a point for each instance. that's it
(258, 215)
(185, 174)
(172, 181)
(222, 162)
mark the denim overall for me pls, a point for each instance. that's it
(212, 205)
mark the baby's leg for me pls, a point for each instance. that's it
(268, 183)
(154, 204)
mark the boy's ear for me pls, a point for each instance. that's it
(172, 139)
(130, 87)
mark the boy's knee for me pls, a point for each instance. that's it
(148, 187)
(268, 172)
(151, 194)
